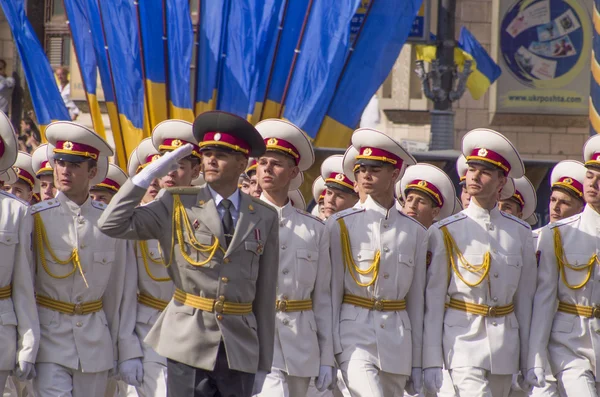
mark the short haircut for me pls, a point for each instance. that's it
(3, 62)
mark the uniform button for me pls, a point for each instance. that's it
(410, 261)
(283, 247)
(226, 260)
(285, 271)
(219, 317)
(382, 325)
(79, 299)
(386, 276)
(491, 227)
(286, 322)
(494, 323)
(224, 279)
(358, 256)
(80, 220)
(495, 299)
(79, 324)
(386, 249)
(82, 246)
(385, 225)
(309, 256)
(495, 251)
(281, 224)
(284, 297)
(8, 240)
(495, 275)
(222, 298)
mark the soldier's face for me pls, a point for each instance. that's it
(465, 197)
(47, 188)
(511, 207)
(185, 173)
(73, 179)
(420, 207)
(275, 171)
(336, 200)
(563, 205)
(222, 167)
(20, 189)
(591, 188)
(483, 182)
(101, 195)
(255, 189)
(245, 185)
(375, 180)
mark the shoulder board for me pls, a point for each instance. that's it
(347, 212)
(12, 196)
(44, 205)
(536, 232)
(264, 204)
(514, 218)
(565, 221)
(308, 215)
(183, 190)
(99, 205)
(450, 219)
(412, 219)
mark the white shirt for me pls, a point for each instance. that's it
(235, 200)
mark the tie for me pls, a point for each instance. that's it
(227, 221)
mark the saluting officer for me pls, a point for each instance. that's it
(340, 194)
(479, 283)
(80, 272)
(19, 326)
(568, 272)
(221, 251)
(43, 172)
(378, 278)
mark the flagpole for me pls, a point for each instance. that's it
(197, 45)
(222, 55)
(112, 82)
(143, 58)
(279, 33)
(166, 58)
(295, 58)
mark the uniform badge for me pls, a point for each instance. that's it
(422, 184)
(217, 136)
(368, 151)
(257, 234)
(176, 143)
(272, 141)
(196, 224)
(259, 248)
(482, 152)
(428, 258)
(537, 257)
(339, 177)
(251, 207)
(201, 202)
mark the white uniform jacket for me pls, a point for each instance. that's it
(460, 339)
(572, 341)
(390, 340)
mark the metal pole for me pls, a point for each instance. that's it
(594, 112)
(143, 57)
(197, 45)
(166, 56)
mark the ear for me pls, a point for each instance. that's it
(435, 212)
(92, 172)
(196, 170)
(502, 182)
(295, 171)
(395, 175)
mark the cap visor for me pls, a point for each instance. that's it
(485, 164)
(337, 186)
(71, 158)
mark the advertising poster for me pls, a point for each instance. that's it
(545, 48)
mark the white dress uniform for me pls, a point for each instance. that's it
(303, 323)
(479, 291)
(79, 282)
(378, 277)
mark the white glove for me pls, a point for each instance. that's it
(432, 378)
(25, 371)
(132, 371)
(536, 377)
(114, 371)
(162, 166)
(259, 381)
(325, 379)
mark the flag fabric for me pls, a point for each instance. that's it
(594, 105)
(180, 39)
(484, 71)
(126, 66)
(320, 63)
(86, 57)
(378, 44)
(151, 22)
(45, 96)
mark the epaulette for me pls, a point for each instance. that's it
(99, 205)
(44, 205)
(349, 211)
(565, 221)
(450, 219)
(514, 218)
(12, 196)
(412, 219)
(308, 215)
(264, 204)
(536, 232)
(183, 190)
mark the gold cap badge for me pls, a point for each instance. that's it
(368, 151)
(482, 152)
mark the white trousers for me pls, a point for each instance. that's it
(550, 390)
(577, 382)
(339, 390)
(278, 383)
(478, 382)
(3, 378)
(54, 380)
(155, 382)
(364, 379)
(16, 388)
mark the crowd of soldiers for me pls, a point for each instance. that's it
(198, 272)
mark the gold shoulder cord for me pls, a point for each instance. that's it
(181, 220)
(145, 257)
(349, 260)
(561, 260)
(452, 248)
(41, 242)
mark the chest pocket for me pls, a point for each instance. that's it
(253, 251)
(577, 270)
(8, 241)
(514, 265)
(199, 252)
(472, 273)
(306, 266)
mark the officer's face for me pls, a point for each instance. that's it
(222, 167)
(245, 185)
(151, 192)
(483, 182)
(275, 171)
(73, 179)
(322, 212)
(420, 207)
(47, 188)
(375, 180)
(591, 188)
(185, 173)
(563, 205)
(255, 189)
(101, 195)
(336, 200)
(511, 207)
(20, 189)
(465, 197)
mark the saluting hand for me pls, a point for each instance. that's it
(161, 167)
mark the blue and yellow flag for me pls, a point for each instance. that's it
(126, 67)
(378, 44)
(213, 27)
(86, 57)
(484, 71)
(180, 39)
(594, 105)
(151, 22)
(47, 102)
